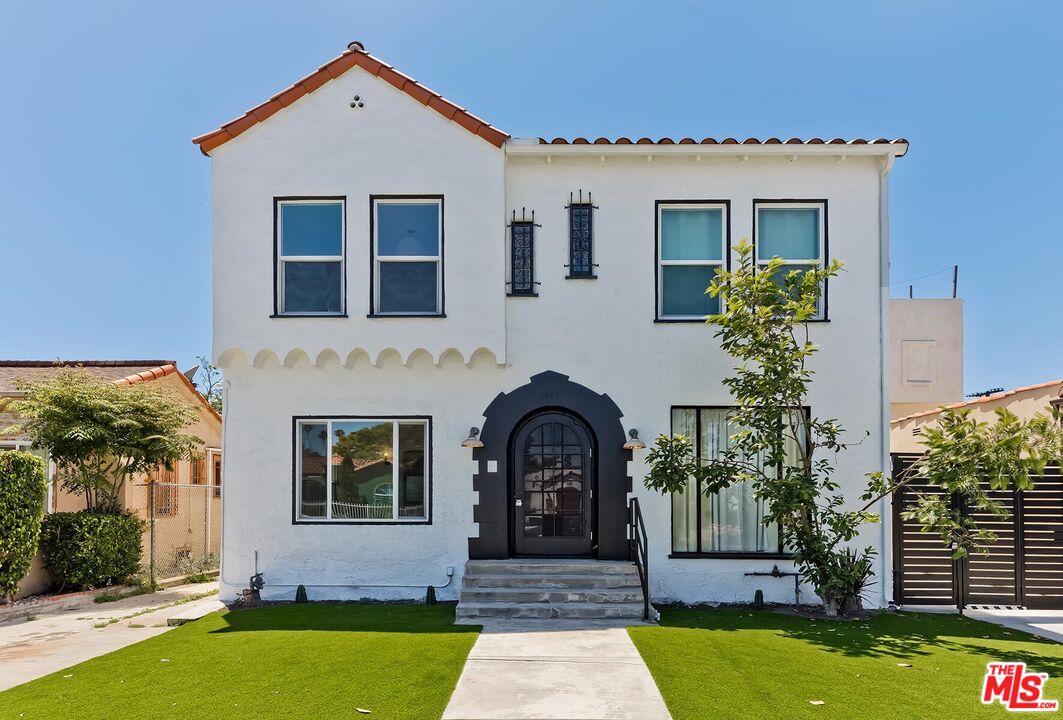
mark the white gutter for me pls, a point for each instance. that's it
(885, 534)
(532, 147)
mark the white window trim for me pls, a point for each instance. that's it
(378, 259)
(818, 262)
(426, 422)
(281, 258)
(662, 263)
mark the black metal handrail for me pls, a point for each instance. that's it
(638, 551)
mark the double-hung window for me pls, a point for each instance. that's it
(796, 233)
(310, 252)
(408, 256)
(730, 521)
(362, 469)
(691, 246)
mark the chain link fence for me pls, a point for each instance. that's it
(182, 534)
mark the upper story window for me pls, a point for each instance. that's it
(362, 469)
(796, 232)
(522, 257)
(407, 255)
(581, 238)
(692, 242)
(310, 256)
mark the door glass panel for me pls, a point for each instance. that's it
(553, 465)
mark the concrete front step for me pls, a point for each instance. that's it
(514, 610)
(550, 595)
(573, 582)
(550, 589)
(549, 567)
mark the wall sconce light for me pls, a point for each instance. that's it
(473, 441)
(633, 442)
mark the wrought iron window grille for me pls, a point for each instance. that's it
(581, 236)
(522, 254)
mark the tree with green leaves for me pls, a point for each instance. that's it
(788, 455)
(208, 380)
(968, 458)
(100, 434)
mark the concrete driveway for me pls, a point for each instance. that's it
(1045, 623)
(37, 641)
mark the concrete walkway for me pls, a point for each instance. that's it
(1045, 623)
(42, 640)
(555, 670)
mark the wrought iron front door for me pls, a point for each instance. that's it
(552, 486)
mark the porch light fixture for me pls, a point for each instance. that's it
(473, 441)
(633, 442)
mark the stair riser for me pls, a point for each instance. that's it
(550, 596)
(560, 582)
(517, 568)
(552, 611)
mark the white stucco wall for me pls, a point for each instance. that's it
(600, 332)
(320, 146)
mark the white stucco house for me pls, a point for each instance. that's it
(390, 271)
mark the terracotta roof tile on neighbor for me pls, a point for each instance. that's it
(976, 401)
(725, 141)
(355, 55)
(120, 372)
(11, 371)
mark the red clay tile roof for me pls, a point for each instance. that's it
(976, 401)
(13, 371)
(725, 141)
(158, 373)
(355, 55)
(117, 371)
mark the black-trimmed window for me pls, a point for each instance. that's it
(728, 523)
(581, 240)
(362, 469)
(796, 232)
(309, 241)
(693, 242)
(407, 247)
(522, 257)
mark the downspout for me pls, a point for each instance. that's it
(886, 552)
(225, 385)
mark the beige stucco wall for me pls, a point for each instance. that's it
(926, 354)
(1023, 402)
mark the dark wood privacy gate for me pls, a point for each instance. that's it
(1023, 567)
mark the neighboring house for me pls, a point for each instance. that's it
(187, 496)
(1024, 567)
(390, 270)
(926, 354)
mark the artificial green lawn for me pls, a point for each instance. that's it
(737, 663)
(289, 661)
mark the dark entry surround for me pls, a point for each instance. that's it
(546, 392)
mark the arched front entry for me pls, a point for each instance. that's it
(508, 466)
(552, 485)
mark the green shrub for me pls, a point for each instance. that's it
(23, 489)
(90, 549)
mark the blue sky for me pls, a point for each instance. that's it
(106, 233)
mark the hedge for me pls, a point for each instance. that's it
(91, 549)
(23, 490)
